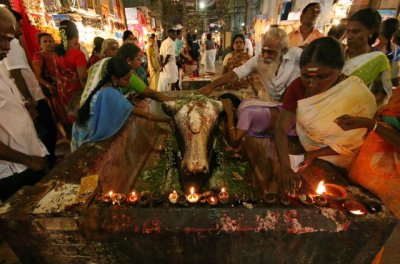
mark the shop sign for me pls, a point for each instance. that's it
(294, 16)
(131, 15)
(58, 18)
(387, 13)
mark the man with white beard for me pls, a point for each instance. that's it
(278, 66)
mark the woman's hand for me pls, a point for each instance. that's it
(227, 104)
(347, 122)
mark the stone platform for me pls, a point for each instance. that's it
(96, 233)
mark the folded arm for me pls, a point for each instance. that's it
(11, 155)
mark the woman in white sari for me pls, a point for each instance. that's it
(372, 67)
(314, 101)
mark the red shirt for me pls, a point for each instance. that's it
(295, 92)
(47, 62)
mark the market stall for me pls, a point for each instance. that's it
(106, 20)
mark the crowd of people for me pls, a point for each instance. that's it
(336, 94)
(332, 92)
(63, 94)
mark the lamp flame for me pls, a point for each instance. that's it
(133, 193)
(192, 190)
(321, 188)
(110, 193)
(222, 189)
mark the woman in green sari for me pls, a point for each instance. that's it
(372, 67)
(133, 55)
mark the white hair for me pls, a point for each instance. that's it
(277, 33)
(106, 44)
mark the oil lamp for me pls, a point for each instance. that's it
(284, 200)
(320, 200)
(223, 196)
(202, 199)
(306, 199)
(106, 197)
(270, 198)
(354, 207)
(173, 197)
(212, 200)
(192, 197)
(118, 198)
(331, 191)
(133, 198)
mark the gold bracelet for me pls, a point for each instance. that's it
(375, 126)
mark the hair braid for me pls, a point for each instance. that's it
(84, 111)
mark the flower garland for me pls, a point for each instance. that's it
(64, 39)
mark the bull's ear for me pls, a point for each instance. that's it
(169, 108)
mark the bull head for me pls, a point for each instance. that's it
(194, 123)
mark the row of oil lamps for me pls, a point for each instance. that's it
(324, 193)
(174, 197)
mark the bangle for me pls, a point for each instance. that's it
(231, 128)
(375, 126)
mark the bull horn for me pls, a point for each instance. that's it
(169, 108)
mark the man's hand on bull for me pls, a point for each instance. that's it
(206, 90)
(288, 181)
(309, 157)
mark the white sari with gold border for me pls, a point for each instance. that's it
(315, 119)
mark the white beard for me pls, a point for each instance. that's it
(267, 71)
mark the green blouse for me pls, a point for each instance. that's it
(136, 85)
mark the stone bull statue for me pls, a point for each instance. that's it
(195, 120)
